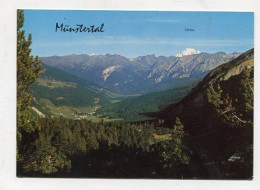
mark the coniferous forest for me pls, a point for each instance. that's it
(203, 129)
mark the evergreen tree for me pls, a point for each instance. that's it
(174, 153)
(46, 159)
(220, 103)
(247, 91)
(234, 115)
(34, 149)
(28, 70)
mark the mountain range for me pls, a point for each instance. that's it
(142, 74)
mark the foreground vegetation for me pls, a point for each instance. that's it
(82, 148)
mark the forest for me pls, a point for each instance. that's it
(71, 148)
(133, 109)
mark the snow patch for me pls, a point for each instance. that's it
(188, 51)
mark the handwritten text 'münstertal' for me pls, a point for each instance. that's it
(79, 28)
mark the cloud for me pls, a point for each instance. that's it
(148, 41)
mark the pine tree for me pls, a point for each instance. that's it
(46, 159)
(232, 115)
(28, 70)
(174, 153)
(220, 103)
(247, 94)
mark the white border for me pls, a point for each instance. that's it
(8, 179)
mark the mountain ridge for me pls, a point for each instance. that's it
(138, 75)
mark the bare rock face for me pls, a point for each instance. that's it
(142, 74)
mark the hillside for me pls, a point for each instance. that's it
(224, 74)
(218, 118)
(58, 93)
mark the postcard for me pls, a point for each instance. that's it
(129, 95)
(135, 94)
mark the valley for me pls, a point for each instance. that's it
(73, 84)
(57, 93)
(80, 100)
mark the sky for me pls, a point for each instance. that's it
(137, 33)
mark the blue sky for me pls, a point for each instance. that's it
(135, 33)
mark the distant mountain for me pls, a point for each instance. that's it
(196, 65)
(142, 74)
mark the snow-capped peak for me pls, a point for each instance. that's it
(188, 51)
